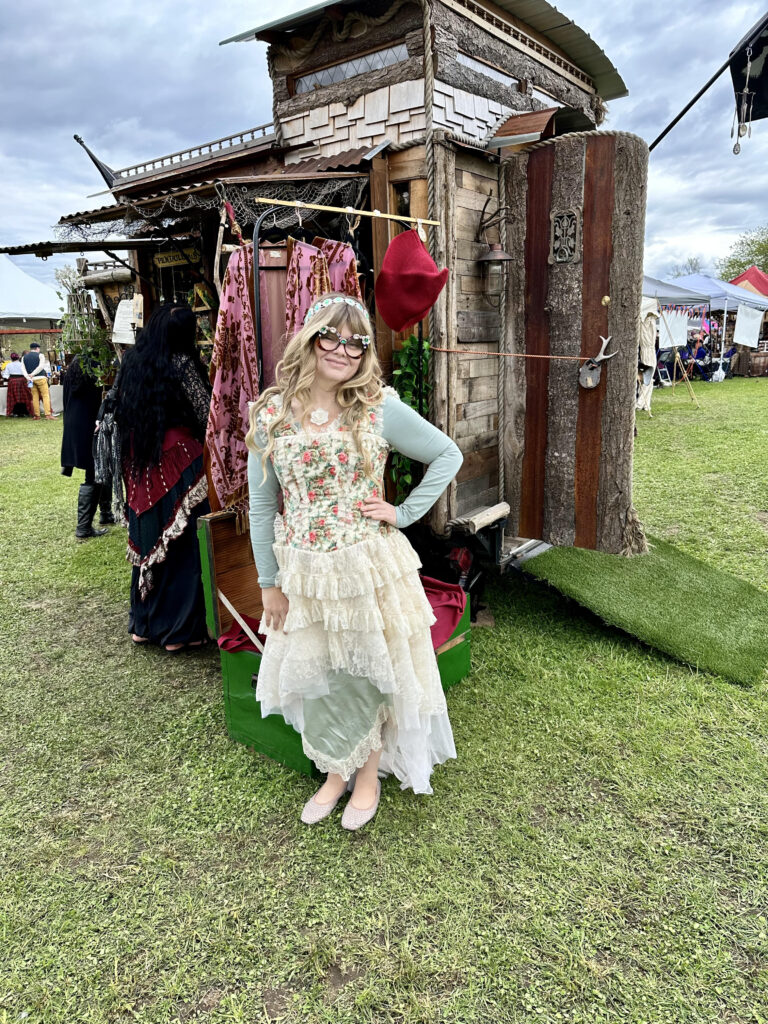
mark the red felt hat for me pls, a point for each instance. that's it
(409, 282)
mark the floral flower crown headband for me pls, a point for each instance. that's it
(330, 302)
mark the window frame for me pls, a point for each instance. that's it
(295, 76)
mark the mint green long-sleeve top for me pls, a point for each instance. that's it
(406, 432)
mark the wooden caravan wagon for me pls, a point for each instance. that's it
(483, 118)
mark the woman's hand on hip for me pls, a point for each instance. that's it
(377, 508)
(275, 607)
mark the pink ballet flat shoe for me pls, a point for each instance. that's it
(352, 819)
(314, 812)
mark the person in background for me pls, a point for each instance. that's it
(39, 370)
(162, 399)
(82, 398)
(19, 395)
(700, 357)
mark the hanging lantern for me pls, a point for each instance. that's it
(493, 263)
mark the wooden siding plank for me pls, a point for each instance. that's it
(475, 409)
(477, 367)
(479, 463)
(477, 326)
(407, 164)
(476, 164)
(477, 182)
(472, 199)
(469, 497)
(477, 425)
(475, 389)
(476, 441)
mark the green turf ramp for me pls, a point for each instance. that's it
(670, 600)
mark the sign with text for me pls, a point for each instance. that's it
(175, 259)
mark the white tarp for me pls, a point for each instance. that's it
(22, 295)
(747, 329)
(673, 329)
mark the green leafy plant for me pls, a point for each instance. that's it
(406, 383)
(81, 331)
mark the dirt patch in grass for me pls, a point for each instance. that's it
(338, 978)
(202, 1006)
(277, 1001)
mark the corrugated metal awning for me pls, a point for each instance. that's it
(575, 43)
(536, 125)
(44, 249)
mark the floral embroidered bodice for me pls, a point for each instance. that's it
(321, 474)
(324, 484)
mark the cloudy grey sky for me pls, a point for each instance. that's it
(145, 78)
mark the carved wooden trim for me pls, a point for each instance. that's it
(565, 236)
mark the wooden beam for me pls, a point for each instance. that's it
(541, 163)
(442, 402)
(380, 230)
(597, 247)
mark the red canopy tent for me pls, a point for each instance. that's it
(754, 279)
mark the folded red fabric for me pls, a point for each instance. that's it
(236, 639)
(448, 602)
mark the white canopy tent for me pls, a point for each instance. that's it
(673, 294)
(725, 296)
(24, 296)
(722, 294)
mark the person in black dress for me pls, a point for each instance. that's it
(82, 398)
(161, 409)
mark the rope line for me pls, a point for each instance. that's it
(509, 355)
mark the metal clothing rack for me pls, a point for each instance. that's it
(408, 222)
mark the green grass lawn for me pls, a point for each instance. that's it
(597, 853)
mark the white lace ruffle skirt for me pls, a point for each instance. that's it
(354, 670)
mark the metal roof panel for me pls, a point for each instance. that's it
(286, 23)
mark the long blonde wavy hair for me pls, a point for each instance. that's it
(296, 371)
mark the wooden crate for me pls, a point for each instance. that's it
(227, 566)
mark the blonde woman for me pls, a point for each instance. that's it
(348, 660)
